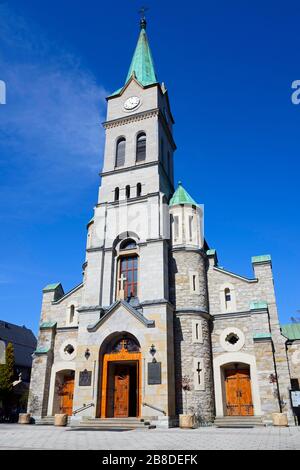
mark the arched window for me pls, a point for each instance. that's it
(128, 244)
(127, 270)
(227, 297)
(127, 190)
(141, 147)
(72, 314)
(120, 152)
(117, 194)
(138, 189)
(191, 220)
(128, 273)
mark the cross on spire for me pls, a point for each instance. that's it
(142, 11)
(143, 22)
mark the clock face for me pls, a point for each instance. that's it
(131, 103)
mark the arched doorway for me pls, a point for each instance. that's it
(237, 390)
(121, 378)
(64, 391)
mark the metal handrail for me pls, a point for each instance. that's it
(155, 408)
(84, 407)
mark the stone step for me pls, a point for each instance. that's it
(113, 423)
(86, 425)
(48, 421)
(238, 421)
(116, 420)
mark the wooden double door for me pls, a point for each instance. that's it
(238, 392)
(66, 395)
(122, 390)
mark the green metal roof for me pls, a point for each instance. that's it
(261, 258)
(142, 65)
(48, 324)
(211, 252)
(181, 196)
(51, 287)
(262, 335)
(42, 350)
(258, 305)
(291, 331)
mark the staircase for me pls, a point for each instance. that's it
(238, 422)
(113, 423)
(48, 421)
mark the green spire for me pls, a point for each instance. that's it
(181, 196)
(142, 62)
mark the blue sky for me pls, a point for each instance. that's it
(228, 67)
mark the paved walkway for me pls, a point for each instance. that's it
(14, 436)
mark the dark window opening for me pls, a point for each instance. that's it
(69, 349)
(232, 338)
(120, 152)
(128, 245)
(138, 189)
(295, 384)
(141, 147)
(227, 295)
(117, 194)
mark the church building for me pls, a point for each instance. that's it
(157, 329)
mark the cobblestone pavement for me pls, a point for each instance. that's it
(14, 436)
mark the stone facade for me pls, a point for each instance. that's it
(190, 320)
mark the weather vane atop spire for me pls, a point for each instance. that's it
(143, 21)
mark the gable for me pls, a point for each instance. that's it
(121, 313)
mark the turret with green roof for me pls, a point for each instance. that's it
(181, 196)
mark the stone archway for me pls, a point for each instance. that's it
(64, 392)
(58, 373)
(224, 362)
(120, 389)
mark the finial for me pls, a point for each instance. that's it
(143, 22)
(179, 183)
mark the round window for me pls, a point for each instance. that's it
(67, 350)
(232, 339)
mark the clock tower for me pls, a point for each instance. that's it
(127, 256)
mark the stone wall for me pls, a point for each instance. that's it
(183, 264)
(40, 375)
(293, 354)
(193, 365)
(200, 402)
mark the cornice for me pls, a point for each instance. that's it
(125, 169)
(132, 118)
